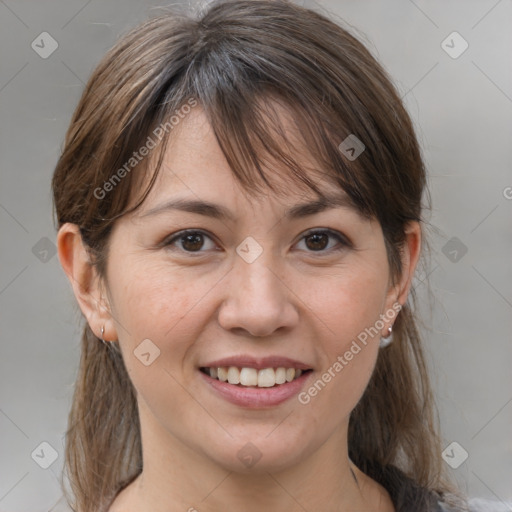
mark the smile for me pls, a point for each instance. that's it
(252, 377)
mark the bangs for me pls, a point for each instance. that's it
(279, 117)
(282, 95)
(271, 141)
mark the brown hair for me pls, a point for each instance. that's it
(234, 60)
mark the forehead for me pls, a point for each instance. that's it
(194, 164)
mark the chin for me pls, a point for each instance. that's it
(261, 455)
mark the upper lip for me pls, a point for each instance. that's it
(259, 363)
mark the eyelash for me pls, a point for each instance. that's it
(342, 241)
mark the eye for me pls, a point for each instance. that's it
(318, 240)
(193, 240)
(190, 240)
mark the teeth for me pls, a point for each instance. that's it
(233, 375)
(248, 376)
(265, 378)
(222, 374)
(280, 375)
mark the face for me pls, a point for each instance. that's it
(259, 288)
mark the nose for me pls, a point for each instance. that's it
(258, 301)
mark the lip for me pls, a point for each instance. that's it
(253, 397)
(259, 363)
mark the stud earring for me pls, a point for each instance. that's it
(385, 341)
(102, 331)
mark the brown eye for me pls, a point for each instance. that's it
(319, 240)
(191, 241)
(194, 241)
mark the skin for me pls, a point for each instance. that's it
(291, 301)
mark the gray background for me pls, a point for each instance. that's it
(462, 108)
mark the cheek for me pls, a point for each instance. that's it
(154, 298)
(345, 303)
(347, 307)
(160, 304)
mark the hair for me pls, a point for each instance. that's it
(237, 60)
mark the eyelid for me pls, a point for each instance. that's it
(335, 234)
(184, 232)
(340, 237)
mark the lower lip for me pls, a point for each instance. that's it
(257, 398)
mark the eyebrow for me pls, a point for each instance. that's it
(220, 212)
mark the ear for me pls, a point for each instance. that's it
(86, 284)
(410, 255)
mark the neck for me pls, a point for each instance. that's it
(177, 478)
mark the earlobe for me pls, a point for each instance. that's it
(84, 280)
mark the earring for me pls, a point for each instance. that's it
(102, 331)
(385, 341)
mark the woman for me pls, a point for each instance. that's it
(239, 204)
